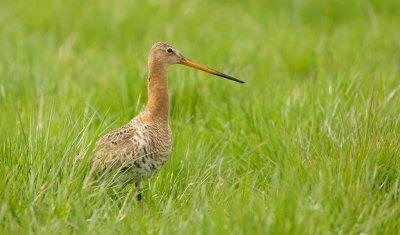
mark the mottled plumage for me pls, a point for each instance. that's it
(141, 147)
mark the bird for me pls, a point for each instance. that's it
(140, 148)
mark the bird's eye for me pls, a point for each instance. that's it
(169, 50)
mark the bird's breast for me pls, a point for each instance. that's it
(155, 145)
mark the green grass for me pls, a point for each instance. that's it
(309, 145)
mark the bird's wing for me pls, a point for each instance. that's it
(118, 147)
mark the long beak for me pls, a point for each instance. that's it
(192, 64)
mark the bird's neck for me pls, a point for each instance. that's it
(158, 100)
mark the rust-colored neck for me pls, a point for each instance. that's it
(158, 100)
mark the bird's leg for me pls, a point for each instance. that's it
(138, 185)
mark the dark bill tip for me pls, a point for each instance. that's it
(227, 77)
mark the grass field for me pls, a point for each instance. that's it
(309, 145)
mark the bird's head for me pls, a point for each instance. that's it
(164, 54)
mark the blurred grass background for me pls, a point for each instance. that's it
(309, 145)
